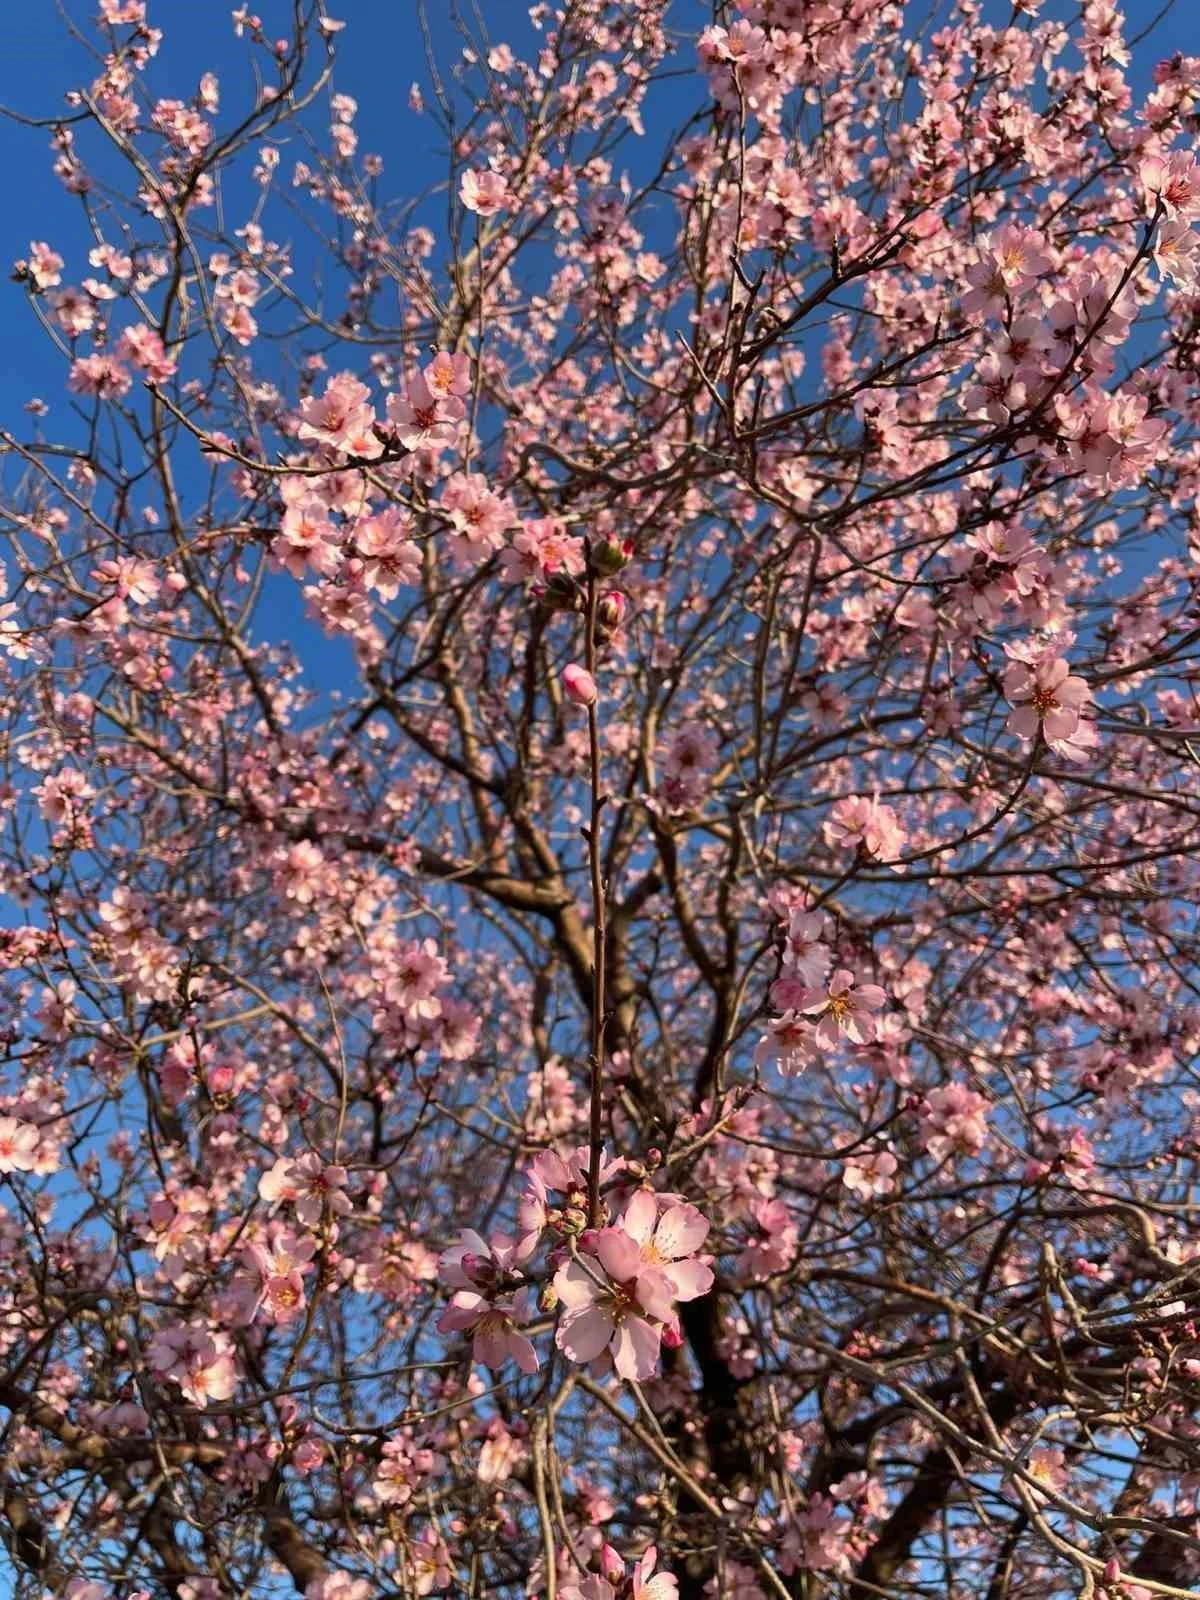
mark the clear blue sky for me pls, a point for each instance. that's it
(380, 54)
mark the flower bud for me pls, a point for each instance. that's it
(610, 555)
(1112, 1570)
(671, 1337)
(654, 1158)
(611, 612)
(578, 685)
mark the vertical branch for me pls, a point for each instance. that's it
(599, 919)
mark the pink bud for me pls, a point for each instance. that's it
(579, 685)
(610, 555)
(1112, 1570)
(610, 613)
(671, 1337)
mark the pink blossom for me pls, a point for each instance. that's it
(494, 1325)
(44, 265)
(449, 374)
(201, 1363)
(485, 192)
(18, 1145)
(1174, 181)
(422, 419)
(859, 821)
(143, 348)
(771, 1249)
(342, 418)
(845, 1010)
(804, 955)
(789, 1042)
(621, 1289)
(953, 1119)
(870, 1175)
(687, 760)
(100, 375)
(1044, 696)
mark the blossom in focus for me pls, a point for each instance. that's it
(846, 1010)
(1044, 695)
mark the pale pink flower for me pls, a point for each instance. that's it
(541, 549)
(653, 1251)
(687, 761)
(413, 982)
(390, 560)
(1011, 261)
(619, 1294)
(422, 419)
(202, 1364)
(772, 1248)
(599, 1316)
(480, 517)
(44, 265)
(341, 418)
(1177, 255)
(308, 1185)
(859, 821)
(789, 1042)
(1044, 696)
(846, 1010)
(953, 1121)
(871, 1175)
(804, 955)
(1174, 181)
(485, 192)
(494, 1326)
(18, 1145)
(660, 1586)
(449, 374)
(142, 346)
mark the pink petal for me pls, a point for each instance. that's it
(1023, 722)
(635, 1349)
(1061, 724)
(583, 1334)
(681, 1231)
(574, 1287)
(826, 1033)
(621, 1256)
(522, 1351)
(870, 996)
(655, 1293)
(640, 1214)
(689, 1279)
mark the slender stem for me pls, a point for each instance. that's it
(599, 924)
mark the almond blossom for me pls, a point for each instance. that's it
(846, 1010)
(618, 1294)
(18, 1145)
(1045, 697)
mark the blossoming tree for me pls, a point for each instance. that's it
(600, 849)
